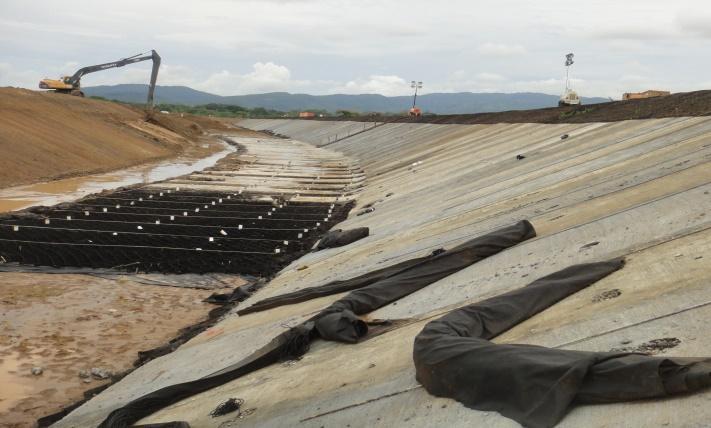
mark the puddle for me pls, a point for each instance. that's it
(69, 189)
(14, 386)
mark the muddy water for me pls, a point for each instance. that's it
(68, 323)
(13, 387)
(69, 189)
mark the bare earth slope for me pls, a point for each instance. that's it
(47, 136)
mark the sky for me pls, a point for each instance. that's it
(235, 47)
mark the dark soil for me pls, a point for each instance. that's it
(696, 103)
(653, 346)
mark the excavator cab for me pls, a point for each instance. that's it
(62, 85)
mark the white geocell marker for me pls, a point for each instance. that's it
(222, 232)
(157, 221)
(277, 251)
(139, 227)
(15, 228)
(140, 199)
(301, 235)
(211, 239)
(46, 221)
(86, 213)
(239, 227)
(172, 218)
(132, 203)
(106, 210)
(160, 194)
(259, 218)
(69, 217)
(115, 233)
(185, 213)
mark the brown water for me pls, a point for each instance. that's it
(69, 189)
(13, 385)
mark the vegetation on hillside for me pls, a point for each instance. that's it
(228, 110)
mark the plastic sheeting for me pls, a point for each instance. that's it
(531, 384)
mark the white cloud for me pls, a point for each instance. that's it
(696, 22)
(490, 77)
(389, 85)
(501, 49)
(264, 77)
(322, 46)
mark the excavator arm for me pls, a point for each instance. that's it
(72, 84)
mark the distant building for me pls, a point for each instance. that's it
(646, 94)
(307, 114)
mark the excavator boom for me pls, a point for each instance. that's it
(72, 84)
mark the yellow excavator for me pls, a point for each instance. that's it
(72, 84)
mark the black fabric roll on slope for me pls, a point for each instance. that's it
(337, 322)
(412, 269)
(531, 384)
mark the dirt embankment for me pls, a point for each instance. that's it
(45, 136)
(696, 103)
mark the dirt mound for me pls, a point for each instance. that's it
(47, 136)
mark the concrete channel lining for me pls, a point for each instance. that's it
(637, 188)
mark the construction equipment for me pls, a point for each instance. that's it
(415, 111)
(72, 84)
(569, 97)
(646, 94)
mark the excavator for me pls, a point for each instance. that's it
(72, 84)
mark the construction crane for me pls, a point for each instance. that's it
(72, 84)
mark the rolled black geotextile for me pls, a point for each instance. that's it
(535, 385)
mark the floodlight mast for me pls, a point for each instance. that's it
(416, 86)
(568, 63)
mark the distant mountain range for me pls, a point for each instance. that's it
(439, 103)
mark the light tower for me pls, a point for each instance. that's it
(415, 111)
(568, 62)
(569, 97)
